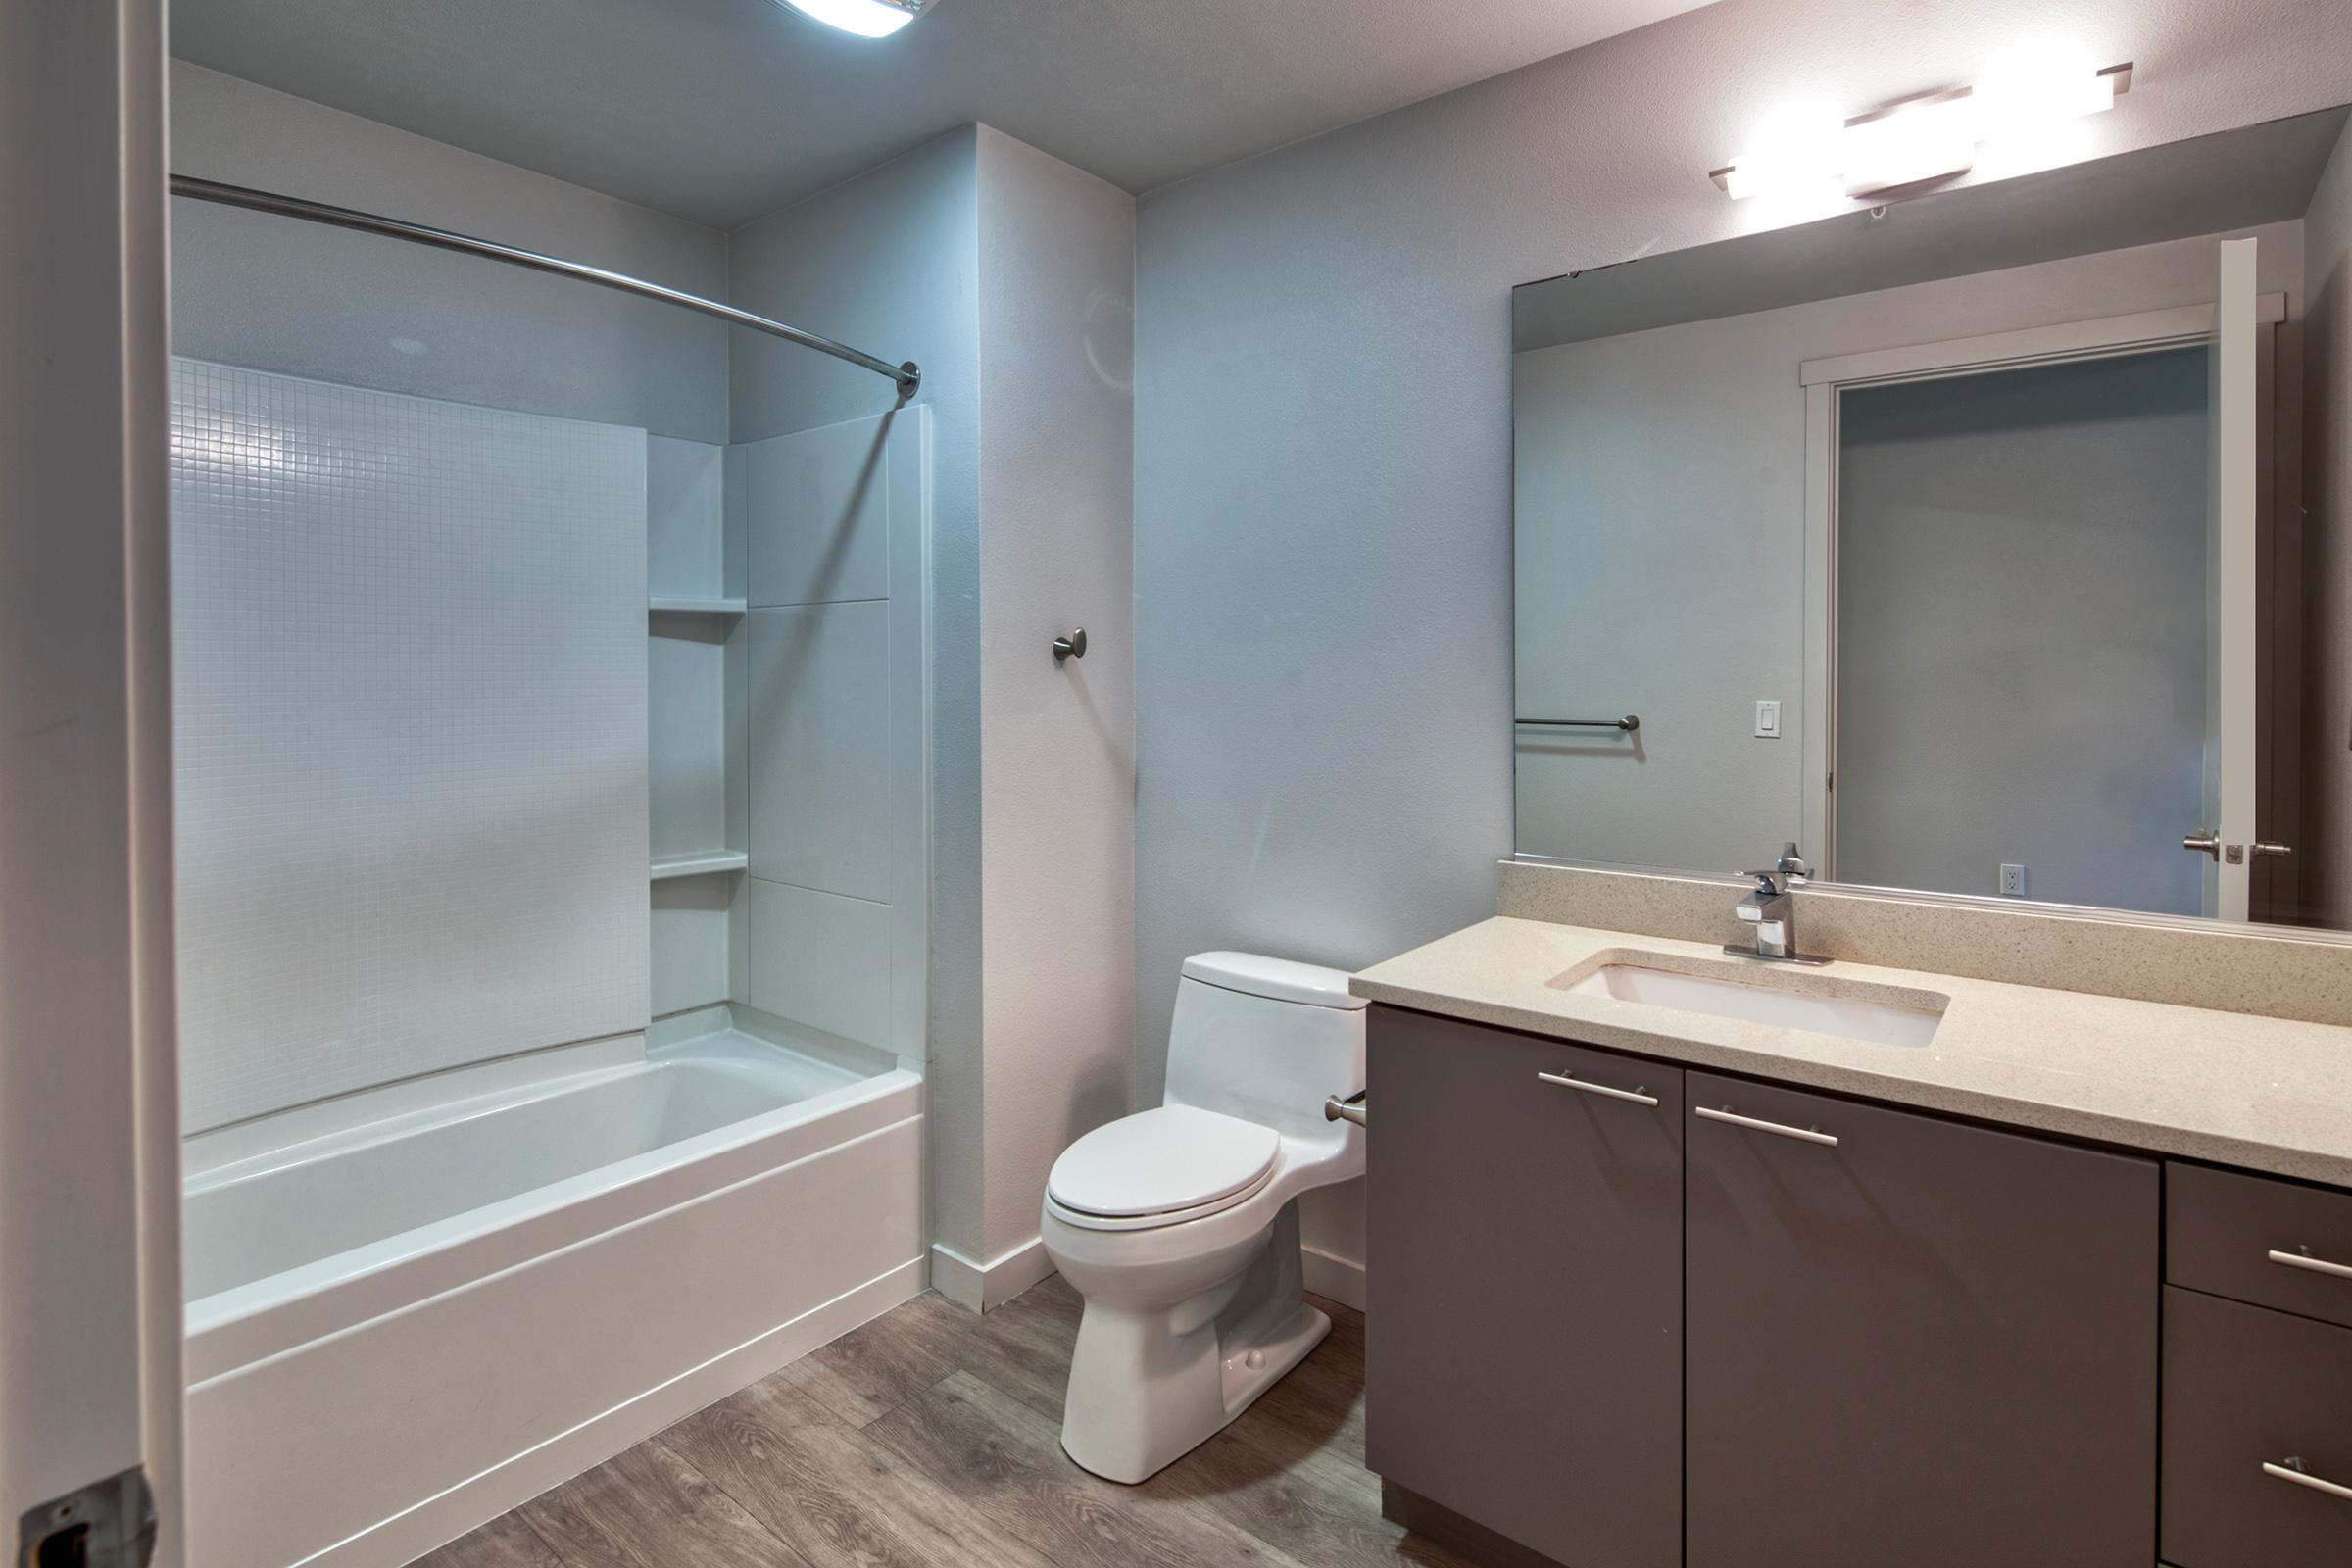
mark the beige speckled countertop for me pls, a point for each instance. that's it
(2266, 1094)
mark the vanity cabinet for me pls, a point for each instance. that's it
(1925, 1341)
(1526, 1345)
(1624, 1334)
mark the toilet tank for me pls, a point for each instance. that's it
(1266, 1039)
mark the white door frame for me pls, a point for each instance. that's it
(89, 1117)
(1826, 380)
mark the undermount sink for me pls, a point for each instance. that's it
(1885, 1016)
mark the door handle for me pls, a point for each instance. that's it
(1807, 1135)
(2281, 851)
(2292, 1470)
(2204, 843)
(1634, 1094)
(2316, 1265)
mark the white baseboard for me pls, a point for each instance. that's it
(985, 1287)
(1340, 1278)
(479, 1499)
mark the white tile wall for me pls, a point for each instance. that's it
(819, 525)
(822, 960)
(410, 755)
(690, 934)
(820, 747)
(692, 669)
(685, 546)
(687, 728)
(833, 722)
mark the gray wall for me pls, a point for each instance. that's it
(1056, 479)
(276, 294)
(2327, 857)
(1323, 430)
(2020, 637)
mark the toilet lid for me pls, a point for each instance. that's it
(1152, 1162)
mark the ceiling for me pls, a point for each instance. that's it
(722, 110)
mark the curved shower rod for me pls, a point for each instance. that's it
(908, 376)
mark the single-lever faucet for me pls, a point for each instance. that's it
(1771, 909)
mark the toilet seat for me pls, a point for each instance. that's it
(1162, 1167)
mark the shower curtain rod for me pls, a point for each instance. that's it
(908, 376)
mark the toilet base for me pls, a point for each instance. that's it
(1151, 1381)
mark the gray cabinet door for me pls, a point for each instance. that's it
(1525, 1268)
(1929, 1344)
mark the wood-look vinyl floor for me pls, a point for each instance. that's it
(931, 1438)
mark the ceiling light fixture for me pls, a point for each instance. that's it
(867, 19)
(1930, 137)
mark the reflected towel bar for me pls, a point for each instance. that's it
(908, 376)
(1631, 722)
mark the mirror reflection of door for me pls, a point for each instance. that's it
(2046, 642)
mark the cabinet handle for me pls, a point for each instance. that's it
(2318, 1265)
(1804, 1135)
(2292, 1470)
(1633, 1094)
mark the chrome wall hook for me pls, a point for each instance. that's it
(1071, 647)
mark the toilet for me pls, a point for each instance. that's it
(1179, 1225)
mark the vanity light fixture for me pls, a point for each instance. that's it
(868, 19)
(1930, 137)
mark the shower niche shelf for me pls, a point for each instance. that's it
(721, 608)
(702, 862)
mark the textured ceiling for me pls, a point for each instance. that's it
(721, 110)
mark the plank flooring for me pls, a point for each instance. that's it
(931, 1438)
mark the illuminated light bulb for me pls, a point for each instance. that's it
(2026, 106)
(867, 19)
(1915, 142)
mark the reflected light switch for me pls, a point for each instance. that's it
(1768, 719)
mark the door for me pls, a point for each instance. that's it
(1524, 1351)
(1912, 1340)
(89, 1180)
(2227, 834)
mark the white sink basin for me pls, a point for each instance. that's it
(1881, 1014)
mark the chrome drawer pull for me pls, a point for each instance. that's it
(2293, 1471)
(2318, 1265)
(1807, 1135)
(1633, 1094)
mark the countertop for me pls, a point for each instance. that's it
(2264, 1093)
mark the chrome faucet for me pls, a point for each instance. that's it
(1772, 909)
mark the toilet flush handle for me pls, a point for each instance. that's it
(1350, 1109)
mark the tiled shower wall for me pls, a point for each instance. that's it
(834, 726)
(411, 745)
(795, 735)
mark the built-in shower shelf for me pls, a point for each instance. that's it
(702, 862)
(695, 607)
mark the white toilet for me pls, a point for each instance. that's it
(1179, 1225)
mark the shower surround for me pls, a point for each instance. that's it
(489, 1174)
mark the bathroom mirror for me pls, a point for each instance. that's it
(1990, 542)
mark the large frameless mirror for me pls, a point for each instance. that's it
(1985, 543)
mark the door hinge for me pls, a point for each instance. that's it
(107, 1524)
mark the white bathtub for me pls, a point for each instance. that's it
(412, 1309)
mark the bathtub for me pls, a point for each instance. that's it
(413, 1308)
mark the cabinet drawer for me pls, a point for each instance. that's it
(2227, 1233)
(2244, 1387)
